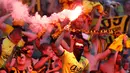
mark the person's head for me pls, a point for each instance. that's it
(20, 58)
(78, 47)
(16, 35)
(28, 49)
(46, 49)
(37, 42)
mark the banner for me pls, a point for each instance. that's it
(118, 23)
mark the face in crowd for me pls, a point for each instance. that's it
(49, 50)
(21, 59)
(46, 49)
(78, 47)
(29, 50)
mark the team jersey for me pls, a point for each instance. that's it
(71, 65)
(7, 48)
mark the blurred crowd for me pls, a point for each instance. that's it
(79, 46)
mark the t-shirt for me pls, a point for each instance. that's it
(7, 48)
(71, 65)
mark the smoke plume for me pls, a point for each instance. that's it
(37, 23)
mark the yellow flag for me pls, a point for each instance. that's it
(117, 44)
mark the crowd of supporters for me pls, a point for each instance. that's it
(79, 46)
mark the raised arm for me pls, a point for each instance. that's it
(65, 45)
(95, 38)
(47, 33)
(2, 19)
(31, 36)
(103, 55)
(41, 62)
(56, 46)
(97, 27)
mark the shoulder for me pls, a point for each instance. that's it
(66, 54)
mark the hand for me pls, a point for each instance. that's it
(30, 69)
(67, 27)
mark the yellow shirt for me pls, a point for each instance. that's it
(88, 6)
(7, 48)
(71, 65)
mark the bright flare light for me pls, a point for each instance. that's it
(44, 20)
(37, 22)
(75, 13)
